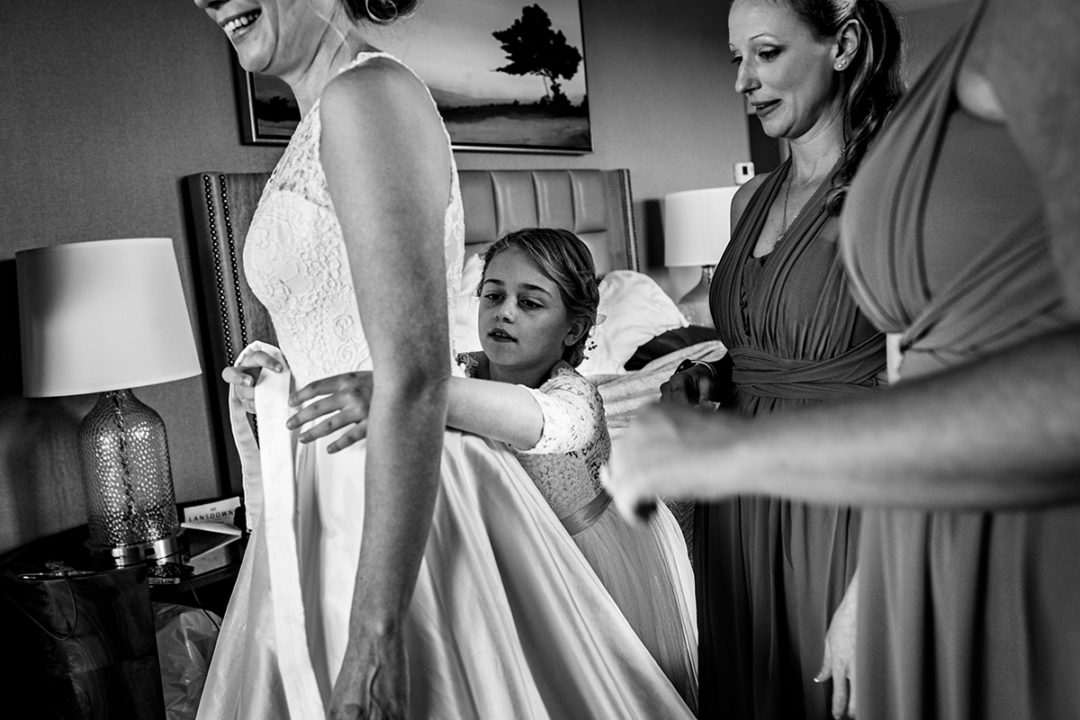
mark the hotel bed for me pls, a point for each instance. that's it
(640, 325)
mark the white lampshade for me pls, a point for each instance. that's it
(102, 315)
(697, 226)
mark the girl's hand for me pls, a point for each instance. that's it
(345, 401)
(242, 378)
(690, 386)
(373, 682)
(839, 662)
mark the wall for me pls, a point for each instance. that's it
(105, 106)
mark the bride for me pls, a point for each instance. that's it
(418, 573)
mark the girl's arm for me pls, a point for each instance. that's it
(388, 169)
(497, 410)
(501, 411)
(561, 414)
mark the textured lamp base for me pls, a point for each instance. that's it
(166, 549)
(131, 507)
(695, 304)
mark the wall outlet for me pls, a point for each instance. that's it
(743, 172)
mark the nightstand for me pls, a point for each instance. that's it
(209, 590)
(83, 644)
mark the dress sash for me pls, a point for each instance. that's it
(851, 373)
(587, 514)
(268, 470)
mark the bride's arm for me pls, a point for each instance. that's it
(388, 168)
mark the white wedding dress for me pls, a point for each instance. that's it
(507, 622)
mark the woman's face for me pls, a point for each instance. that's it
(785, 73)
(524, 325)
(273, 37)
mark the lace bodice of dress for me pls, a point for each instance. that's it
(296, 262)
(574, 444)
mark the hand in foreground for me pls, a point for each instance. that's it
(689, 387)
(374, 681)
(839, 662)
(345, 402)
(242, 378)
(643, 460)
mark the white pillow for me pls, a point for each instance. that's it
(634, 310)
(466, 330)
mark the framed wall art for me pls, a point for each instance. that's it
(268, 111)
(506, 77)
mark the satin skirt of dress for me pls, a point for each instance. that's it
(646, 569)
(507, 620)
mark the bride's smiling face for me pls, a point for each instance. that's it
(273, 37)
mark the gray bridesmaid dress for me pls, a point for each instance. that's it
(961, 614)
(770, 573)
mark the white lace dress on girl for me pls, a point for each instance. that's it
(646, 569)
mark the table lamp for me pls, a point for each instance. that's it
(104, 317)
(696, 231)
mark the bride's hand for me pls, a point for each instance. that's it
(374, 680)
(344, 401)
(242, 378)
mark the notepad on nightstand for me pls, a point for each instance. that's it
(212, 538)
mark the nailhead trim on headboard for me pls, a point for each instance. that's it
(231, 241)
(215, 244)
(215, 240)
(232, 262)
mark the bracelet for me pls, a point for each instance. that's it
(687, 364)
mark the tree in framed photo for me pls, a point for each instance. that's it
(535, 48)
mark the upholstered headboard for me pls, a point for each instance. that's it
(595, 204)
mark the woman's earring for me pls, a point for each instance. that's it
(841, 64)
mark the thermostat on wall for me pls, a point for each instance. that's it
(743, 172)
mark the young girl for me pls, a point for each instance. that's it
(538, 301)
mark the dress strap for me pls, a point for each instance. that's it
(901, 218)
(724, 289)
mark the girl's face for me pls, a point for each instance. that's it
(785, 73)
(273, 37)
(524, 325)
